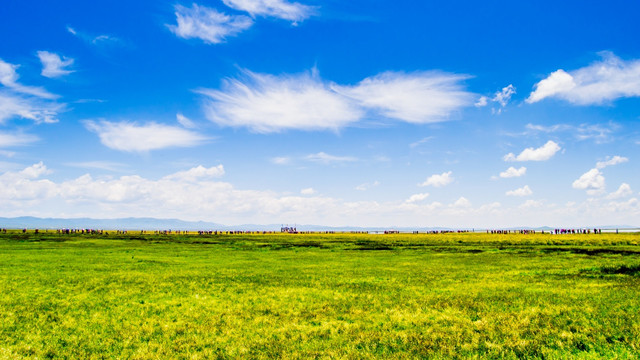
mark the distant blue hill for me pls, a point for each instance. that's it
(30, 222)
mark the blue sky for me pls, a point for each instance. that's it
(362, 113)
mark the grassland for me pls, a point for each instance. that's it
(319, 296)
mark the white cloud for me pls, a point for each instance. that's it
(207, 24)
(125, 136)
(185, 121)
(281, 160)
(503, 96)
(267, 103)
(462, 202)
(612, 161)
(523, 191)
(281, 9)
(420, 97)
(592, 181)
(438, 180)
(513, 172)
(98, 40)
(9, 78)
(8, 140)
(197, 173)
(417, 198)
(599, 133)
(482, 101)
(531, 204)
(623, 191)
(601, 82)
(101, 165)
(542, 153)
(421, 141)
(307, 191)
(367, 186)
(29, 192)
(26, 102)
(325, 158)
(53, 66)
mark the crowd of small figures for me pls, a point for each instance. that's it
(239, 232)
(555, 231)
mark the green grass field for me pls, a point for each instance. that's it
(340, 296)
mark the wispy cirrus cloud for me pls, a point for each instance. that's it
(419, 97)
(9, 78)
(326, 159)
(8, 140)
(133, 137)
(99, 40)
(599, 133)
(268, 103)
(543, 153)
(23, 101)
(601, 82)
(53, 65)
(207, 24)
(281, 9)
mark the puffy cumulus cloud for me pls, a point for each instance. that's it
(615, 160)
(8, 140)
(325, 158)
(623, 191)
(420, 97)
(29, 192)
(592, 181)
(307, 191)
(462, 202)
(281, 9)
(482, 101)
(603, 81)
(53, 65)
(131, 137)
(523, 191)
(531, 204)
(417, 198)
(543, 153)
(438, 180)
(267, 103)
(207, 24)
(513, 172)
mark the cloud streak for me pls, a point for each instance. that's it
(132, 137)
(206, 24)
(268, 103)
(281, 9)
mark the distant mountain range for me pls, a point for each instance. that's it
(176, 224)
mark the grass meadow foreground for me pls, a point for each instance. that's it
(352, 296)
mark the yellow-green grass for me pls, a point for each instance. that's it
(352, 296)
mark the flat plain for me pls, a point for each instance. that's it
(300, 296)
